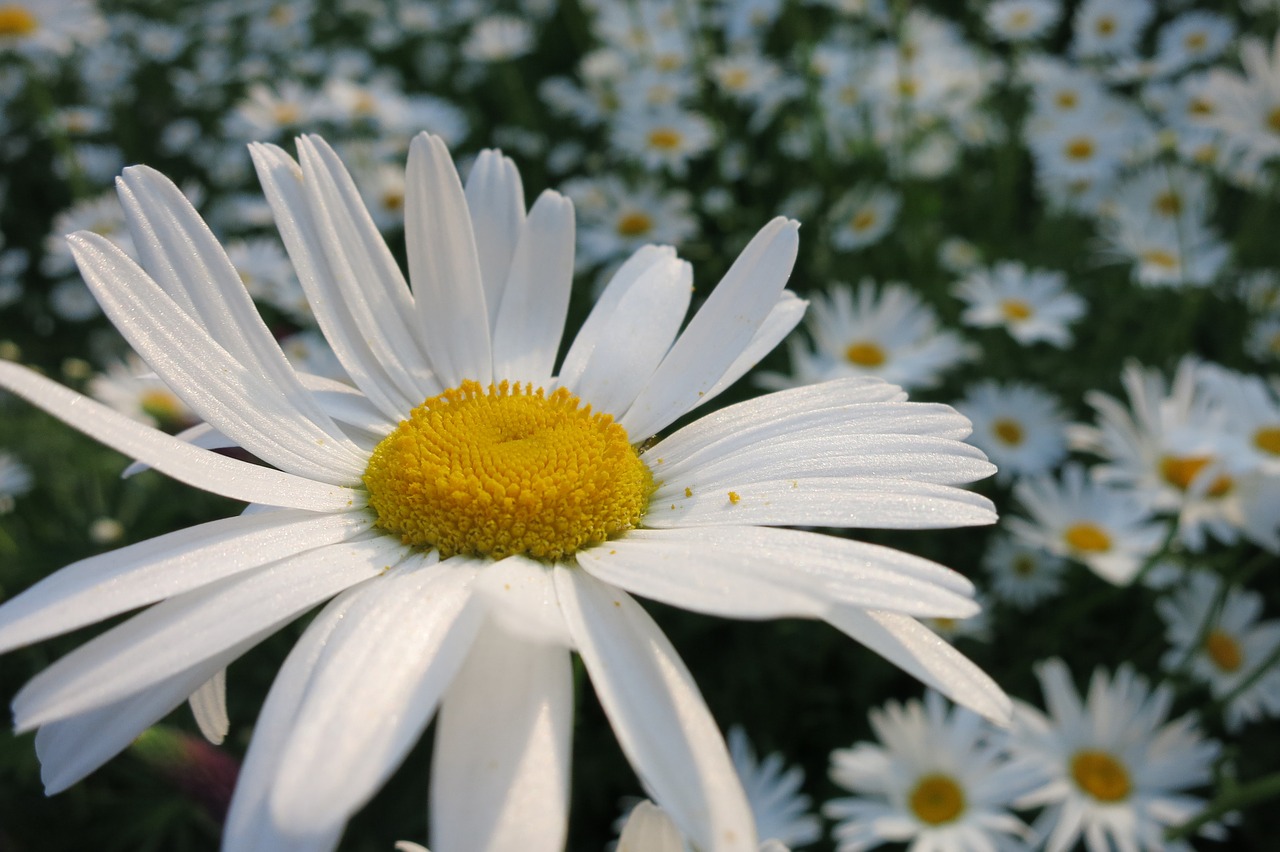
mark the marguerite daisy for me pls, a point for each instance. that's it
(475, 513)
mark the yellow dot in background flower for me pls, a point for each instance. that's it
(864, 220)
(1100, 775)
(163, 406)
(17, 21)
(1273, 120)
(1087, 537)
(1080, 148)
(1267, 439)
(634, 224)
(665, 138)
(1015, 309)
(1181, 471)
(1009, 431)
(937, 799)
(511, 470)
(1161, 258)
(864, 353)
(1224, 650)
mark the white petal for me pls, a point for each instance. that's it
(232, 396)
(111, 583)
(720, 332)
(657, 713)
(348, 405)
(500, 768)
(373, 691)
(923, 654)
(636, 336)
(444, 267)
(780, 322)
(360, 261)
(196, 467)
(827, 502)
(757, 572)
(535, 300)
(594, 331)
(200, 435)
(209, 707)
(70, 749)
(249, 827)
(166, 638)
(649, 829)
(495, 198)
(182, 255)
(520, 596)
(342, 312)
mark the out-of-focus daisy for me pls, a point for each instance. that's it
(273, 112)
(1165, 252)
(1263, 339)
(496, 38)
(33, 28)
(1246, 109)
(1018, 426)
(887, 333)
(1108, 529)
(100, 214)
(977, 628)
(1032, 305)
(1115, 774)
(15, 480)
(473, 521)
(1109, 28)
(781, 810)
(1250, 419)
(1223, 645)
(663, 139)
(1021, 575)
(267, 274)
(1021, 20)
(938, 779)
(616, 218)
(1191, 38)
(130, 387)
(863, 216)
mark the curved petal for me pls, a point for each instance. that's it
(495, 199)
(657, 713)
(843, 501)
(173, 457)
(520, 596)
(758, 572)
(638, 334)
(535, 300)
(500, 768)
(209, 707)
(924, 655)
(444, 266)
(201, 435)
(163, 640)
(719, 332)
(373, 691)
(232, 396)
(111, 583)
(780, 322)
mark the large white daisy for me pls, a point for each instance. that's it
(475, 513)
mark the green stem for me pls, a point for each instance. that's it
(1232, 800)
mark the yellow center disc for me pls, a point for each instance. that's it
(937, 799)
(506, 471)
(1101, 775)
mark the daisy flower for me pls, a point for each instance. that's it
(663, 139)
(863, 216)
(1105, 528)
(475, 514)
(1114, 772)
(1192, 38)
(1032, 305)
(1246, 109)
(938, 779)
(129, 386)
(1022, 576)
(35, 28)
(1018, 426)
(1223, 645)
(889, 333)
(1021, 20)
(1109, 27)
(15, 480)
(781, 811)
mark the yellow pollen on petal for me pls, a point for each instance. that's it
(1016, 309)
(1181, 471)
(1100, 775)
(507, 470)
(1009, 431)
(17, 21)
(1087, 537)
(937, 799)
(634, 224)
(665, 138)
(1224, 650)
(864, 353)
(1267, 439)
(734, 497)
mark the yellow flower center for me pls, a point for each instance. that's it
(1009, 431)
(1195, 42)
(1224, 650)
(937, 799)
(162, 406)
(1181, 471)
(864, 353)
(1024, 566)
(393, 200)
(1273, 119)
(1161, 258)
(634, 224)
(508, 471)
(665, 139)
(1080, 148)
(1100, 775)
(736, 78)
(1015, 309)
(1105, 26)
(1066, 99)
(864, 220)
(1168, 203)
(1267, 439)
(1019, 20)
(1200, 106)
(17, 21)
(1087, 537)
(286, 114)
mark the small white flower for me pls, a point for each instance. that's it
(1031, 304)
(1021, 575)
(1020, 427)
